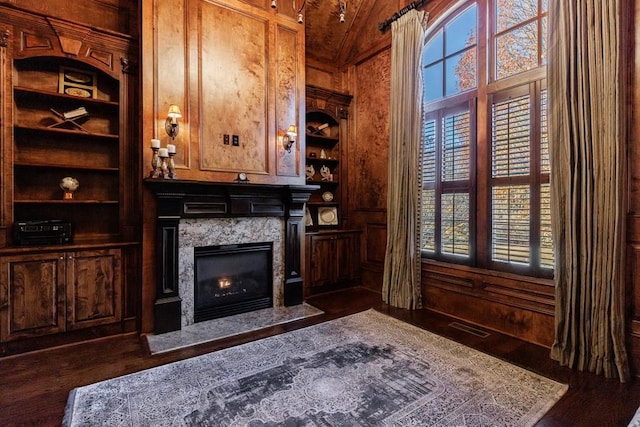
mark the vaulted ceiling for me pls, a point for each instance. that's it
(335, 44)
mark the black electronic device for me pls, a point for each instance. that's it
(44, 232)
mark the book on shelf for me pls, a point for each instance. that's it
(70, 117)
(317, 130)
(74, 114)
(71, 114)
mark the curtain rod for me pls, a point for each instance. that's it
(384, 26)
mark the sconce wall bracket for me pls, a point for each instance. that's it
(289, 137)
(287, 142)
(172, 127)
(171, 124)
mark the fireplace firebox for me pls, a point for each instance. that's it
(232, 279)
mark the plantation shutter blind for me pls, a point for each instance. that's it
(429, 172)
(446, 173)
(546, 239)
(510, 196)
(455, 163)
(455, 147)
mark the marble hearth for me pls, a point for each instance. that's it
(197, 213)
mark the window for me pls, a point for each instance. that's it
(449, 58)
(447, 193)
(485, 190)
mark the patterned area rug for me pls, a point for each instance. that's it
(367, 369)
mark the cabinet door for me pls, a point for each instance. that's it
(345, 255)
(321, 261)
(31, 295)
(94, 288)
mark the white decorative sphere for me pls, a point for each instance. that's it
(69, 184)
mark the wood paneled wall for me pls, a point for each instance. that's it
(367, 162)
(631, 60)
(234, 68)
(115, 15)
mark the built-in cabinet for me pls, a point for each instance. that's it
(332, 247)
(333, 260)
(48, 146)
(60, 291)
(326, 133)
(323, 169)
(68, 96)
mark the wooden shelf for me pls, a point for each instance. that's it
(323, 152)
(319, 160)
(328, 204)
(66, 166)
(25, 91)
(75, 133)
(324, 182)
(77, 244)
(67, 202)
(329, 140)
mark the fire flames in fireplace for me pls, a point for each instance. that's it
(232, 279)
(224, 283)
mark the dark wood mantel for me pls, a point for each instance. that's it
(177, 199)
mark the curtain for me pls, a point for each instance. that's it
(401, 281)
(587, 185)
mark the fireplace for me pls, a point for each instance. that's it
(232, 279)
(192, 214)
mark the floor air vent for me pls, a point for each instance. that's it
(470, 329)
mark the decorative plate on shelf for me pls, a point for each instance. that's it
(328, 216)
(77, 77)
(327, 196)
(76, 91)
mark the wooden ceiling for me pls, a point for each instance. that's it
(335, 44)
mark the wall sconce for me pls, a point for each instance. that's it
(171, 124)
(289, 137)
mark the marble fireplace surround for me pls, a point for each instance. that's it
(198, 232)
(232, 211)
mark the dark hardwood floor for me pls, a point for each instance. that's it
(34, 386)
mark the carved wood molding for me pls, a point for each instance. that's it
(329, 101)
(128, 66)
(4, 38)
(71, 36)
